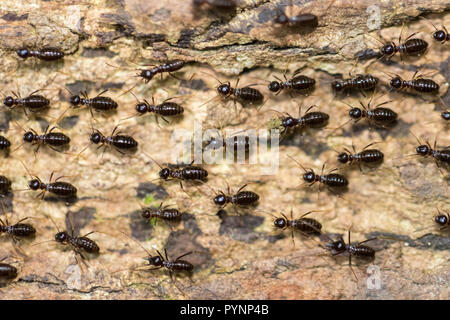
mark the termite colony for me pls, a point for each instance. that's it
(367, 110)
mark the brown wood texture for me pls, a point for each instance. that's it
(235, 256)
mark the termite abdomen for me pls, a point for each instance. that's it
(62, 189)
(19, 229)
(56, 139)
(192, 173)
(86, 244)
(413, 46)
(7, 271)
(244, 198)
(334, 180)
(101, 103)
(4, 143)
(168, 109)
(5, 185)
(179, 265)
(124, 142)
(382, 115)
(361, 251)
(249, 95)
(315, 119)
(306, 225)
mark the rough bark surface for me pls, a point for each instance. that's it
(236, 257)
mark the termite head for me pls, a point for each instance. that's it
(441, 219)
(28, 136)
(61, 236)
(23, 53)
(147, 213)
(396, 82)
(96, 137)
(164, 173)
(141, 107)
(34, 184)
(220, 200)
(224, 89)
(280, 223)
(343, 157)
(337, 86)
(309, 176)
(155, 261)
(274, 86)
(337, 246)
(288, 122)
(8, 101)
(75, 100)
(388, 50)
(146, 74)
(423, 150)
(440, 35)
(445, 115)
(281, 18)
(355, 113)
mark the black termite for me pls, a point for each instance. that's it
(245, 95)
(442, 219)
(4, 143)
(315, 119)
(79, 244)
(240, 198)
(58, 188)
(306, 226)
(425, 150)
(45, 54)
(220, 4)
(17, 230)
(330, 180)
(164, 109)
(52, 139)
(117, 140)
(418, 84)
(167, 67)
(411, 47)
(184, 172)
(298, 83)
(34, 102)
(5, 185)
(158, 261)
(235, 142)
(7, 271)
(161, 212)
(380, 116)
(358, 250)
(362, 82)
(99, 103)
(366, 156)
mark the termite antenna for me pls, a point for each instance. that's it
(417, 139)
(138, 243)
(161, 167)
(297, 163)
